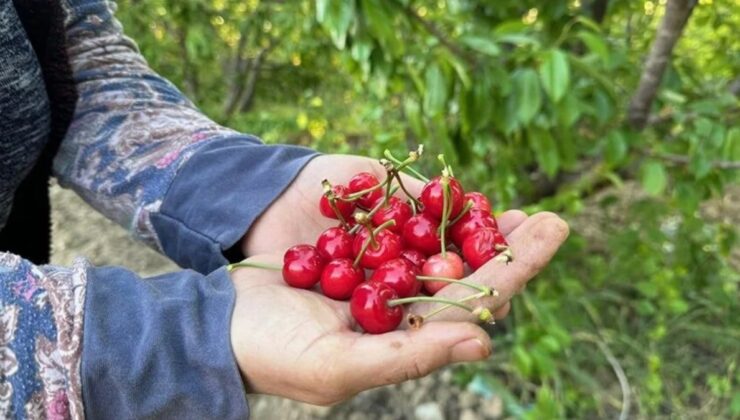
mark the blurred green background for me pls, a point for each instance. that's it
(580, 107)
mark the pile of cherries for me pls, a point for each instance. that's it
(389, 251)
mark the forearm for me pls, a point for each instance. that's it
(131, 139)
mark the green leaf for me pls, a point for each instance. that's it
(459, 67)
(654, 178)
(595, 44)
(555, 74)
(435, 90)
(481, 44)
(545, 150)
(380, 22)
(336, 17)
(528, 95)
(731, 144)
(616, 148)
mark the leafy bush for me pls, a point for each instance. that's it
(535, 104)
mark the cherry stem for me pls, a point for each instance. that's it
(446, 166)
(414, 201)
(357, 195)
(405, 166)
(463, 300)
(381, 203)
(371, 239)
(483, 289)
(415, 299)
(248, 264)
(332, 202)
(445, 181)
(469, 205)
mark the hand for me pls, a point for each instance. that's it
(301, 345)
(294, 218)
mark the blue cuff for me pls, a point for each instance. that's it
(217, 195)
(160, 347)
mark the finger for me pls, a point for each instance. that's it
(533, 244)
(399, 356)
(501, 312)
(510, 220)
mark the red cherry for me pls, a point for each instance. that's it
(339, 279)
(396, 210)
(414, 257)
(433, 199)
(449, 266)
(387, 247)
(469, 223)
(346, 208)
(334, 243)
(369, 307)
(420, 233)
(302, 265)
(483, 245)
(480, 201)
(363, 181)
(400, 275)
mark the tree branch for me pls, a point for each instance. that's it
(685, 160)
(436, 33)
(676, 15)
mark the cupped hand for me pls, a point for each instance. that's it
(304, 346)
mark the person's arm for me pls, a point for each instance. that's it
(142, 154)
(103, 343)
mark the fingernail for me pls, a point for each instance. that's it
(470, 350)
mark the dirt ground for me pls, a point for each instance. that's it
(86, 233)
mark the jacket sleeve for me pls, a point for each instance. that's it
(142, 154)
(164, 352)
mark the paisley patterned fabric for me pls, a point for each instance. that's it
(41, 312)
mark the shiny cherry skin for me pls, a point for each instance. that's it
(414, 257)
(480, 201)
(369, 307)
(346, 208)
(395, 210)
(432, 197)
(420, 233)
(482, 246)
(387, 247)
(334, 243)
(400, 275)
(339, 278)
(449, 266)
(302, 266)
(469, 223)
(363, 181)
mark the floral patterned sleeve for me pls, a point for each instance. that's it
(41, 317)
(87, 341)
(142, 154)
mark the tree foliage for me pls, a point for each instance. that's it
(531, 101)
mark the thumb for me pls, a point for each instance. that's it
(399, 356)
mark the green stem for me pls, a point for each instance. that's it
(469, 205)
(371, 239)
(405, 167)
(445, 181)
(483, 289)
(445, 307)
(414, 201)
(356, 195)
(415, 299)
(246, 264)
